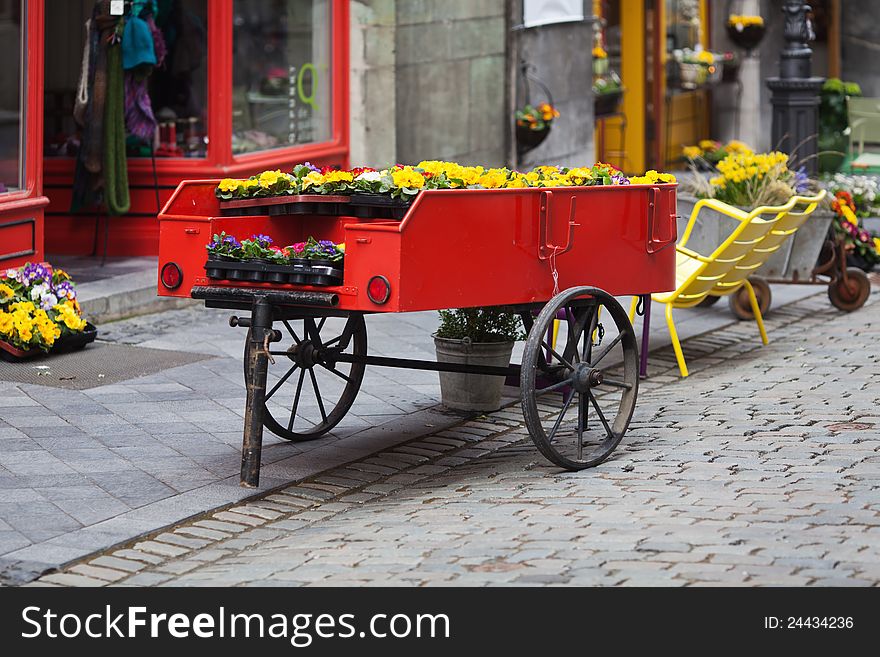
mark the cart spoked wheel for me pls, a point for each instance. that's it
(739, 302)
(578, 395)
(850, 292)
(308, 391)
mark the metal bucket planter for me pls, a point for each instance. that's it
(795, 259)
(472, 392)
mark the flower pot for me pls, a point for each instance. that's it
(298, 271)
(472, 392)
(527, 139)
(746, 36)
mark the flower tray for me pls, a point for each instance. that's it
(279, 205)
(606, 104)
(64, 344)
(316, 272)
(377, 206)
(747, 37)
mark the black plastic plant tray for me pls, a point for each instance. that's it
(376, 206)
(258, 272)
(313, 204)
(63, 345)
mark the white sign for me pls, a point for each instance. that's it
(117, 7)
(544, 12)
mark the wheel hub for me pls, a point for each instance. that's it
(304, 354)
(586, 377)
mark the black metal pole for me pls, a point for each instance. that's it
(259, 336)
(795, 93)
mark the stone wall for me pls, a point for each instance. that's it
(560, 56)
(435, 79)
(451, 71)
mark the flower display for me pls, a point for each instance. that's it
(599, 53)
(536, 118)
(224, 245)
(405, 181)
(37, 306)
(712, 152)
(846, 226)
(262, 247)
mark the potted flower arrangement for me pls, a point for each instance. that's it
(533, 124)
(475, 336)
(748, 180)
(696, 68)
(707, 153)
(745, 31)
(39, 313)
(862, 248)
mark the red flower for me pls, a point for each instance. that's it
(328, 169)
(359, 170)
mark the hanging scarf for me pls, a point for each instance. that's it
(139, 118)
(115, 165)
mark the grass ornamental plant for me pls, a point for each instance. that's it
(750, 180)
(37, 307)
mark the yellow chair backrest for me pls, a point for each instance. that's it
(700, 274)
(786, 224)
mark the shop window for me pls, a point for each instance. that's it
(166, 102)
(11, 91)
(281, 74)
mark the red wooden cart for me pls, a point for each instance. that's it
(547, 254)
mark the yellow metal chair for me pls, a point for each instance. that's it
(760, 232)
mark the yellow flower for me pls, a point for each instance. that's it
(740, 21)
(580, 175)
(599, 53)
(735, 146)
(493, 178)
(314, 178)
(22, 306)
(6, 324)
(517, 181)
(876, 246)
(250, 183)
(408, 178)
(229, 185)
(705, 57)
(708, 144)
(471, 175)
(6, 293)
(341, 247)
(338, 176)
(269, 178)
(692, 152)
(849, 215)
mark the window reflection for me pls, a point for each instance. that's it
(11, 114)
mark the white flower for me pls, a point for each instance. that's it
(48, 301)
(37, 291)
(370, 176)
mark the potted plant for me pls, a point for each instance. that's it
(325, 261)
(39, 313)
(533, 125)
(833, 143)
(224, 248)
(862, 248)
(607, 92)
(475, 336)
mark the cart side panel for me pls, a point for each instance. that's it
(480, 247)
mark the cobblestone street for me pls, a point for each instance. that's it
(759, 469)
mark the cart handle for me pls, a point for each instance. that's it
(653, 245)
(546, 250)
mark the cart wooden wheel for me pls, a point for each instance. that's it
(579, 395)
(850, 293)
(739, 302)
(308, 392)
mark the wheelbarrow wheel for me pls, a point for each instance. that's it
(850, 293)
(308, 392)
(739, 302)
(710, 300)
(578, 395)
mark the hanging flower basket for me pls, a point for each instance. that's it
(606, 103)
(746, 31)
(527, 139)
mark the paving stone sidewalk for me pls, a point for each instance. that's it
(759, 469)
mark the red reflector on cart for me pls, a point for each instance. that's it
(171, 276)
(379, 289)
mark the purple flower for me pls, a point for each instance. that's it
(311, 166)
(801, 181)
(262, 240)
(231, 241)
(864, 236)
(65, 289)
(619, 179)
